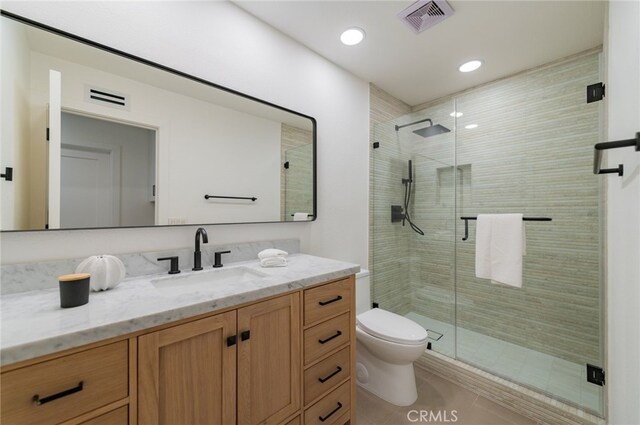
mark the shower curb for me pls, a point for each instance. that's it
(517, 398)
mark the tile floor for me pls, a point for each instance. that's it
(559, 378)
(436, 396)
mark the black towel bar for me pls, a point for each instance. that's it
(599, 147)
(466, 223)
(230, 197)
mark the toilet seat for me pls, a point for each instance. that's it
(391, 327)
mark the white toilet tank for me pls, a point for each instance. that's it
(363, 291)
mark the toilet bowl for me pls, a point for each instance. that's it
(387, 346)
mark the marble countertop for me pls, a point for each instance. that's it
(33, 324)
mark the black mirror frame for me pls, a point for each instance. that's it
(141, 60)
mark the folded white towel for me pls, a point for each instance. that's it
(500, 245)
(301, 216)
(272, 252)
(273, 262)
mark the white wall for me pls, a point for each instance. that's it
(221, 43)
(623, 211)
(15, 127)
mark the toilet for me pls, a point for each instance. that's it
(387, 346)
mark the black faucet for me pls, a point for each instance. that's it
(197, 255)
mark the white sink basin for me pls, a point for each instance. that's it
(206, 280)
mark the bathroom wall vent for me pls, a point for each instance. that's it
(424, 14)
(106, 97)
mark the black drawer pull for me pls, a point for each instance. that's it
(231, 341)
(324, 418)
(245, 335)
(38, 401)
(323, 303)
(324, 341)
(334, 373)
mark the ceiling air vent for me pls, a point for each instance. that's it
(106, 97)
(424, 14)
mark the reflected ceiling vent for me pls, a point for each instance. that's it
(424, 14)
(106, 97)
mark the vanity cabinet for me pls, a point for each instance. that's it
(63, 388)
(269, 360)
(329, 353)
(286, 360)
(188, 373)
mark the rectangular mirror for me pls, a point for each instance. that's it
(99, 138)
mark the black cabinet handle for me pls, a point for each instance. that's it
(231, 340)
(334, 373)
(324, 418)
(324, 341)
(323, 303)
(38, 401)
(245, 335)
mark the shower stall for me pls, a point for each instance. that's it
(523, 144)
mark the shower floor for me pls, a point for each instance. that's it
(559, 378)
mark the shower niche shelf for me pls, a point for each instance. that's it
(445, 182)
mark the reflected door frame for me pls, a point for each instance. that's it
(55, 132)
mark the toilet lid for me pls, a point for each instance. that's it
(391, 327)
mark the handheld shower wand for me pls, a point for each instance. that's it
(407, 199)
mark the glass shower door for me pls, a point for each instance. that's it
(525, 146)
(413, 266)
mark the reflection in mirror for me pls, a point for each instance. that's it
(107, 173)
(298, 174)
(97, 139)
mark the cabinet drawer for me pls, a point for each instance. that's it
(115, 417)
(325, 337)
(327, 300)
(50, 392)
(331, 408)
(325, 375)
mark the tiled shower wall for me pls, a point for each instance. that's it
(532, 153)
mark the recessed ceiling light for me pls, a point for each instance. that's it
(471, 126)
(352, 36)
(456, 114)
(470, 66)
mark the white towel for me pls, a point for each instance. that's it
(300, 216)
(272, 252)
(273, 262)
(500, 245)
(483, 246)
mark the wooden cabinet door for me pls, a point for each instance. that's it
(187, 373)
(269, 360)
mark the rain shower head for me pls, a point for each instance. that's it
(431, 131)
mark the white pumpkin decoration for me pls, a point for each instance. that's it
(106, 271)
